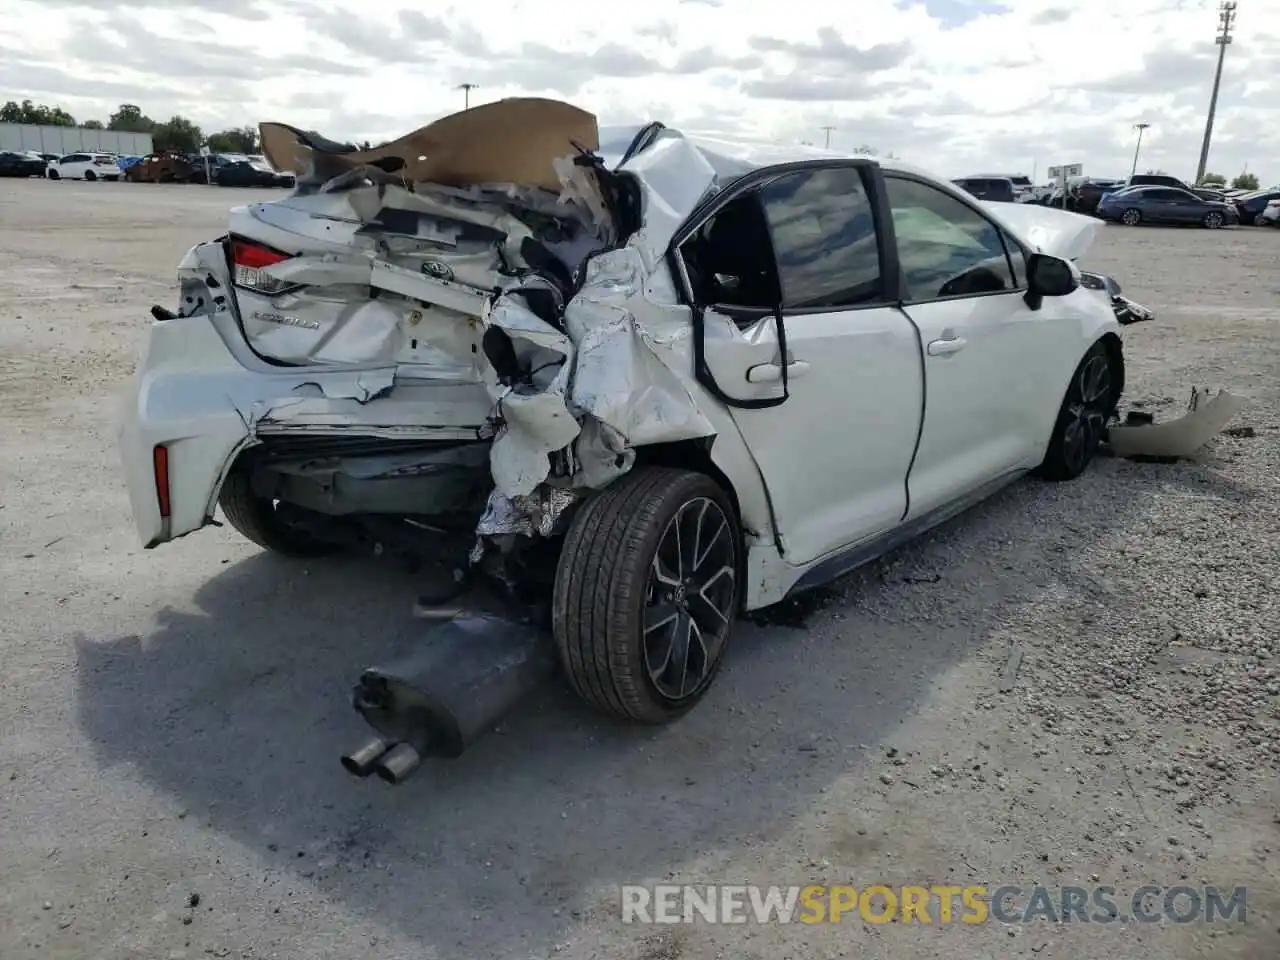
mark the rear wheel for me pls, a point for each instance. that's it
(1213, 220)
(258, 520)
(90, 176)
(646, 591)
(1090, 400)
(1131, 217)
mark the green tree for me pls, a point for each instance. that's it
(179, 134)
(1213, 180)
(28, 112)
(239, 140)
(130, 119)
(1246, 181)
(93, 125)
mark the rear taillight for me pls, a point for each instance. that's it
(160, 464)
(250, 260)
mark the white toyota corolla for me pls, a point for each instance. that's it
(650, 385)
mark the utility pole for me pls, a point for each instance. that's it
(466, 89)
(828, 132)
(1226, 20)
(1139, 127)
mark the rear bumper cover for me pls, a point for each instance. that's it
(192, 395)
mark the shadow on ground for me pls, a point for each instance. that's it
(240, 710)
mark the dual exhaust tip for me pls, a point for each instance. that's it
(392, 762)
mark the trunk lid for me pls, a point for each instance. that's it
(360, 266)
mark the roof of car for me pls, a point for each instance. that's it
(736, 156)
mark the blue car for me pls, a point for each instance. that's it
(1138, 205)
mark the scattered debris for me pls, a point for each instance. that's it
(1010, 673)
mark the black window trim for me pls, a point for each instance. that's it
(881, 221)
(1001, 231)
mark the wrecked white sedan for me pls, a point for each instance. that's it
(647, 387)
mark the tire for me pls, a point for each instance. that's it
(617, 556)
(1090, 401)
(1213, 220)
(1131, 217)
(90, 176)
(54, 175)
(255, 518)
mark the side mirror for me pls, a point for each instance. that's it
(1049, 276)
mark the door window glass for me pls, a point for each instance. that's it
(803, 240)
(824, 238)
(945, 247)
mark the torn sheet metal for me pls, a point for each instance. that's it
(1127, 311)
(621, 380)
(674, 177)
(1205, 418)
(527, 375)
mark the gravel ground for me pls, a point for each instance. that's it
(170, 720)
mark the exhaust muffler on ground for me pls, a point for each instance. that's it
(446, 689)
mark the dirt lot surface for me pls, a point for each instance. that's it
(170, 721)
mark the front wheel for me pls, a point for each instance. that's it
(1131, 217)
(1090, 401)
(54, 175)
(1212, 220)
(90, 176)
(646, 591)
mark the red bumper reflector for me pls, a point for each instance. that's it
(160, 462)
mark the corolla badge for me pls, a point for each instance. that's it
(267, 316)
(438, 269)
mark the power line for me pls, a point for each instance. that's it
(1226, 20)
(828, 132)
(466, 89)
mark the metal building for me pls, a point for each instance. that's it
(63, 140)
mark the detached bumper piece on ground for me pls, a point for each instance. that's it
(1141, 438)
(591, 371)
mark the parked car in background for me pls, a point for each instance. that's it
(160, 168)
(280, 178)
(1155, 204)
(999, 189)
(1270, 216)
(1251, 205)
(1023, 188)
(13, 164)
(239, 170)
(1086, 195)
(1164, 180)
(84, 166)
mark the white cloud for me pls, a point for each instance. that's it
(957, 85)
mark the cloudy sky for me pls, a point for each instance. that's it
(961, 86)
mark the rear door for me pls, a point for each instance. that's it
(993, 366)
(1171, 206)
(833, 443)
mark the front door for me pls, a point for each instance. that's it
(834, 454)
(985, 397)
